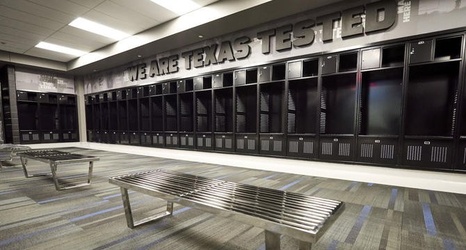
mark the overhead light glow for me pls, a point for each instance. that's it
(60, 49)
(97, 28)
(179, 7)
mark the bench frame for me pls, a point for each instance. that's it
(273, 230)
(24, 156)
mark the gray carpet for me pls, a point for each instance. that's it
(33, 215)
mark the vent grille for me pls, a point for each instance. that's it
(240, 144)
(387, 152)
(327, 148)
(344, 149)
(228, 143)
(219, 143)
(251, 144)
(293, 147)
(367, 150)
(277, 146)
(308, 147)
(200, 142)
(439, 154)
(208, 142)
(414, 153)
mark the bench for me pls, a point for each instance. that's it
(55, 158)
(8, 152)
(302, 217)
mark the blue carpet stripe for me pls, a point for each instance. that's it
(391, 202)
(429, 220)
(96, 213)
(24, 237)
(290, 185)
(358, 225)
(448, 244)
(333, 245)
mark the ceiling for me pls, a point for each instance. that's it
(24, 23)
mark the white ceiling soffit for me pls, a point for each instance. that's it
(219, 18)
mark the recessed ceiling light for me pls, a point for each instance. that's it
(60, 49)
(200, 36)
(97, 28)
(179, 7)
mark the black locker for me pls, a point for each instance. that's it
(302, 146)
(224, 142)
(157, 121)
(271, 97)
(158, 139)
(171, 140)
(186, 116)
(421, 51)
(185, 85)
(204, 141)
(186, 140)
(202, 82)
(382, 150)
(272, 144)
(204, 136)
(340, 148)
(428, 154)
(246, 143)
(329, 64)
(169, 87)
(370, 58)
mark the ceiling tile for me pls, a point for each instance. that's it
(88, 3)
(42, 53)
(148, 9)
(67, 7)
(131, 20)
(29, 18)
(37, 10)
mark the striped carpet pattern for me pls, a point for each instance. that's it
(33, 215)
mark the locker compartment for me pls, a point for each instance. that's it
(170, 111)
(271, 107)
(171, 140)
(104, 136)
(243, 76)
(186, 112)
(381, 96)
(204, 141)
(133, 119)
(348, 62)
(224, 142)
(204, 111)
(90, 136)
(272, 144)
(447, 48)
(30, 137)
(246, 143)
(50, 136)
(146, 139)
(158, 140)
(302, 146)
(202, 82)
(122, 115)
(187, 140)
(421, 51)
(48, 117)
(69, 136)
(382, 150)
(336, 148)
(156, 110)
(113, 137)
(303, 102)
(157, 89)
(104, 116)
(28, 116)
(329, 64)
(295, 69)
(311, 67)
(278, 72)
(265, 73)
(338, 100)
(124, 138)
(461, 155)
(431, 99)
(371, 58)
(223, 110)
(113, 116)
(169, 87)
(428, 154)
(144, 91)
(393, 56)
(185, 85)
(246, 109)
(134, 138)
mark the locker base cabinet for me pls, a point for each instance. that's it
(158, 140)
(461, 159)
(124, 138)
(146, 139)
(378, 150)
(246, 143)
(186, 140)
(428, 154)
(30, 137)
(272, 144)
(336, 148)
(302, 146)
(171, 140)
(204, 141)
(224, 142)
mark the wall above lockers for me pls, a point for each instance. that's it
(289, 38)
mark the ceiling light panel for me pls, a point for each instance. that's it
(97, 28)
(60, 49)
(179, 7)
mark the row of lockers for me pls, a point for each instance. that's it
(417, 153)
(351, 106)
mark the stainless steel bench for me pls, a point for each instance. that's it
(55, 158)
(278, 212)
(8, 152)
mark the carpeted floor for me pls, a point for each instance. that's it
(33, 215)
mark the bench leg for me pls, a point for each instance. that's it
(272, 240)
(54, 167)
(129, 214)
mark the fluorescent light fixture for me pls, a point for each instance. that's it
(97, 28)
(59, 48)
(179, 7)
